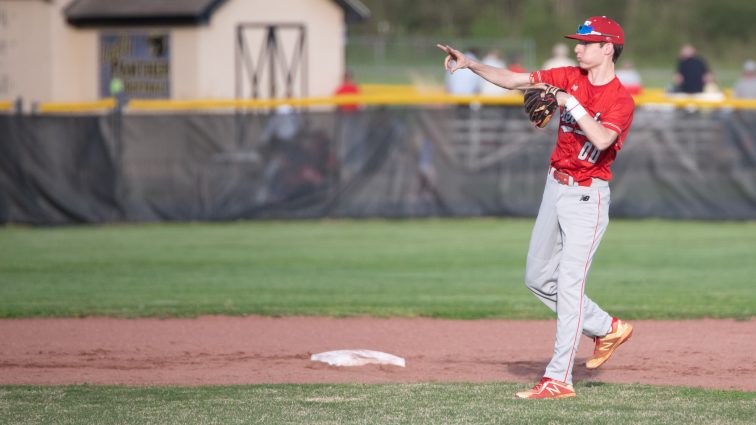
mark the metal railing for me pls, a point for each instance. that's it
(373, 95)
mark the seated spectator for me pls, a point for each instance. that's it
(745, 87)
(347, 87)
(464, 82)
(560, 57)
(630, 78)
(514, 64)
(692, 72)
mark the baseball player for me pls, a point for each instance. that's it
(595, 116)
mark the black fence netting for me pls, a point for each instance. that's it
(378, 162)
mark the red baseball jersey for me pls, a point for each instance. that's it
(609, 104)
(347, 89)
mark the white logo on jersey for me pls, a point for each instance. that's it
(588, 152)
(569, 124)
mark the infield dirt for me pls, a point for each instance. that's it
(255, 350)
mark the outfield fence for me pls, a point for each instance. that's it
(430, 155)
(371, 95)
(6, 106)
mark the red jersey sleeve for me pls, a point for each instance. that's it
(559, 77)
(618, 118)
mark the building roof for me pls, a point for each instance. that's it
(83, 13)
(140, 12)
(354, 10)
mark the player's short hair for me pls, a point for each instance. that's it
(617, 51)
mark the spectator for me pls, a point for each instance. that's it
(348, 87)
(560, 57)
(514, 63)
(349, 129)
(630, 78)
(745, 87)
(464, 82)
(692, 72)
(493, 58)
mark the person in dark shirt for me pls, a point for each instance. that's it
(692, 72)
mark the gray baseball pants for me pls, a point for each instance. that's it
(571, 221)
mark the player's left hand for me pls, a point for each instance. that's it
(541, 103)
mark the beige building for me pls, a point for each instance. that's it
(84, 50)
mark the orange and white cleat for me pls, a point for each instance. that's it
(548, 388)
(605, 345)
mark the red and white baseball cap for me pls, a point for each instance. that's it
(599, 29)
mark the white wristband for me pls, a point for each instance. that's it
(575, 108)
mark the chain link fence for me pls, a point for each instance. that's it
(416, 60)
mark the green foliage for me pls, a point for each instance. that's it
(655, 30)
(459, 403)
(438, 268)
(726, 21)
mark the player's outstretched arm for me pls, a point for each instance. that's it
(501, 77)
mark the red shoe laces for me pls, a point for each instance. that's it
(544, 380)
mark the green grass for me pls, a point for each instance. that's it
(441, 268)
(368, 404)
(437, 268)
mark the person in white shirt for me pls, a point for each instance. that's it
(630, 78)
(493, 58)
(745, 87)
(464, 83)
(560, 58)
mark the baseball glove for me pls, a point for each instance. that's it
(541, 103)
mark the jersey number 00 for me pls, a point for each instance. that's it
(590, 152)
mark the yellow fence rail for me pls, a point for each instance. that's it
(6, 105)
(372, 95)
(362, 99)
(645, 99)
(70, 107)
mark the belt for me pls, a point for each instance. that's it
(563, 178)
